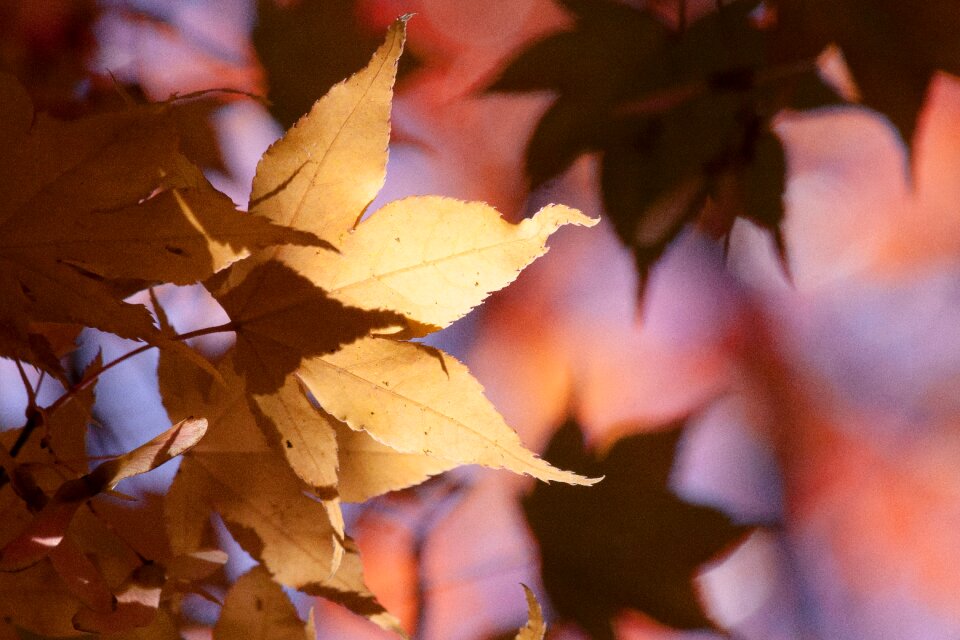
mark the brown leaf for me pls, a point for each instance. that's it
(137, 603)
(21, 593)
(49, 526)
(264, 505)
(256, 608)
(104, 197)
(81, 577)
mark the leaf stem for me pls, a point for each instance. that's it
(34, 418)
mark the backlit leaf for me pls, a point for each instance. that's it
(330, 165)
(432, 259)
(416, 399)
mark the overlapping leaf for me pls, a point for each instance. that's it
(256, 608)
(104, 198)
(265, 505)
(320, 306)
(49, 527)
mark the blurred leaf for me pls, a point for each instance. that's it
(673, 114)
(628, 542)
(47, 46)
(892, 47)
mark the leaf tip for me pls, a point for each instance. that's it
(558, 215)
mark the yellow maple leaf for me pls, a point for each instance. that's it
(308, 441)
(421, 262)
(330, 165)
(369, 468)
(329, 320)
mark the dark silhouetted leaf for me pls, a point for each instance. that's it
(892, 48)
(628, 542)
(681, 118)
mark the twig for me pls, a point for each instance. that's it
(91, 376)
(31, 392)
(37, 416)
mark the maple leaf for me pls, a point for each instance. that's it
(630, 542)
(273, 519)
(681, 119)
(409, 264)
(281, 317)
(432, 259)
(294, 536)
(329, 321)
(256, 608)
(104, 198)
(368, 468)
(892, 48)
